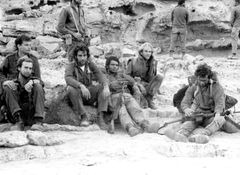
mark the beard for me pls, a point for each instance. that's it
(113, 71)
(25, 75)
(81, 63)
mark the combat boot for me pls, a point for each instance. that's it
(233, 57)
(19, 125)
(180, 137)
(150, 128)
(132, 131)
(84, 121)
(101, 122)
(199, 138)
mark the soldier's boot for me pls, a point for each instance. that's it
(84, 121)
(171, 54)
(132, 131)
(199, 138)
(177, 136)
(182, 56)
(111, 127)
(38, 120)
(3, 114)
(101, 122)
(150, 128)
(150, 102)
(19, 125)
(180, 137)
(233, 56)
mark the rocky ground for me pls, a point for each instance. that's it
(67, 148)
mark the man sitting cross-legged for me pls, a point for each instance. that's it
(79, 76)
(205, 97)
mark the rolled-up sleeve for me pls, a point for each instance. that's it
(188, 98)
(219, 98)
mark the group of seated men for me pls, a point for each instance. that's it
(116, 94)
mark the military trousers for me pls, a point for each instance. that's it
(78, 101)
(178, 38)
(206, 127)
(15, 99)
(234, 37)
(153, 86)
(130, 112)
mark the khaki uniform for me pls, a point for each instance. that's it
(66, 25)
(147, 71)
(235, 23)
(179, 18)
(201, 101)
(130, 113)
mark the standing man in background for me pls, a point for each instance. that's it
(72, 26)
(179, 18)
(235, 24)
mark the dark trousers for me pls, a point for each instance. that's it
(16, 100)
(78, 101)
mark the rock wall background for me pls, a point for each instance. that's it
(122, 21)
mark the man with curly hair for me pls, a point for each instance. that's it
(205, 96)
(79, 76)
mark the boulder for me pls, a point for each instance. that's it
(13, 139)
(57, 127)
(49, 43)
(40, 139)
(197, 45)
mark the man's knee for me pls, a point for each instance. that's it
(159, 78)
(72, 91)
(7, 90)
(38, 88)
(229, 128)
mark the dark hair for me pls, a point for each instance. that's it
(23, 59)
(180, 2)
(82, 48)
(20, 40)
(108, 61)
(203, 70)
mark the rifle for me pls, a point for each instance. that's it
(198, 117)
(120, 102)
